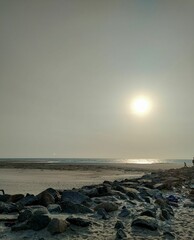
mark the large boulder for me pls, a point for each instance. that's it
(38, 222)
(45, 198)
(57, 226)
(145, 222)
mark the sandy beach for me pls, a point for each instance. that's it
(133, 194)
(35, 177)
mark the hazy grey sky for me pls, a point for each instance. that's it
(69, 68)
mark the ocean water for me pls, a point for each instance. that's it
(99, 160)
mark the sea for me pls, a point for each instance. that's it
(95, 161)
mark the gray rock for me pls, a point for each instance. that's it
(8, 207)
(57, 226)
(39, 210)
(45, 198)
(38, 222)
(25, 215)
(78, 221)
(54, 208)
(27, 200)
(102, 212)
(73, 208)
(108, 206)
(145, 222)
(124, 213)
(74, 197)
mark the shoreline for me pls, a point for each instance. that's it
(35, 177)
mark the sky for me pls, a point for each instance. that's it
(69, 70)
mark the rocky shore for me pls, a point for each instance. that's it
(159, 205)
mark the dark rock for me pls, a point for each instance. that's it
(145, 222)
(149, 213)
(108, 206)
(16, 197)
(8, 207)
(124, 213)
(38, 222)
(39, 210)
(78, 221)
(119, 224)
(165, 214)
(74, 197)
(54, 208)
(4, 198)
(57, 226)
(45, 198)
(25, 215)
(28, 200)
(121, 234)
(102, 212)
(73, 208)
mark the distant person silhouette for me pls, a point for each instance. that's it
(185, 165)
(193, 161)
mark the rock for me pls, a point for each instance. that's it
(73, 208)
(4, 198)
(119, 224)
(145, 222)
(54, 208)
(27, 200)
(38, 222)
(149, 213)
(54, 193)
(25, 215)
(74, 197)
(102, 212)
(16, 197)
(124, 213)
(108, 206)
(57, 226)
(78, 221)
(165, 214)
(8, 207)
(39, 210)
(121, 234)
(45, 198)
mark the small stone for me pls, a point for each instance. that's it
(119, 225)
(103, 213)
(54, 208)
(121, 234)
(124, 213)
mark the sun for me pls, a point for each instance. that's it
(141, 106)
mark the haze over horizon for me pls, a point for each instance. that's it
(70, 69)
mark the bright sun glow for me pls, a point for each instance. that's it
(140, 106)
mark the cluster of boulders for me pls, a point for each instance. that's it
(146, 203)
